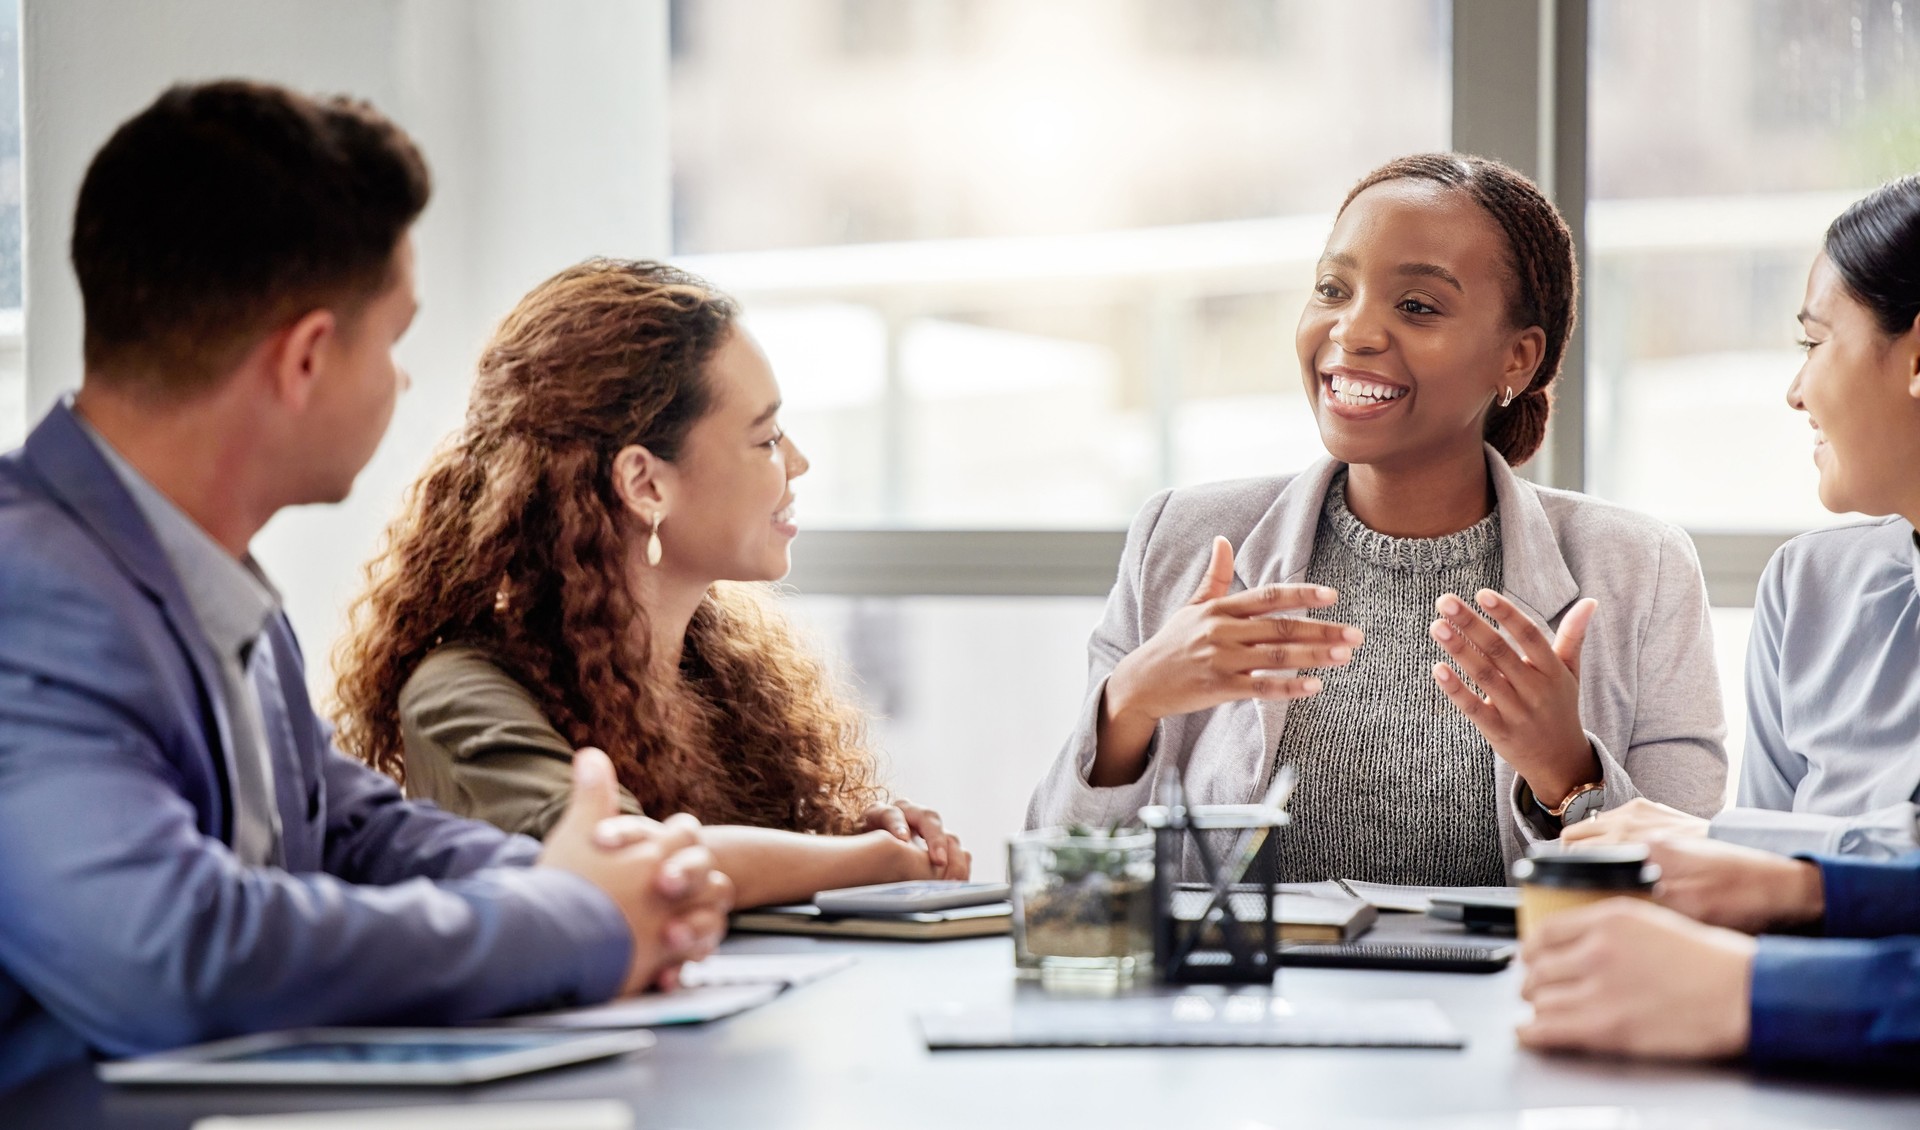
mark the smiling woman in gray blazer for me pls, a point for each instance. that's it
(1326, 619)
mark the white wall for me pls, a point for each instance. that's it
(544, 122)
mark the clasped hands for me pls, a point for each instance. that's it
(656, 871)
(664, 880)
(920, 827)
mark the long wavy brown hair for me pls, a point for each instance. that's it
(515, 543)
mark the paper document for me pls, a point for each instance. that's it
(654, 1010)
(1331, 889)
(1416, 900)
(722, 985)
(1193, 1018)
(788, 969)
(591, 1115)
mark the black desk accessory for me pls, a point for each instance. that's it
(1231, 937)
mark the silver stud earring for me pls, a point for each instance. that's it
(653, 540)
(1508, 398)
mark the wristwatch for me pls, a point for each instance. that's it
(1584, 801)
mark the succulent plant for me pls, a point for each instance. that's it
(1087, 851)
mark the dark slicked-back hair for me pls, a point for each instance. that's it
(1875, 247)
(226, 209)
(1543, 282)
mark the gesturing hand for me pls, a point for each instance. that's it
(906, 821)
(1217, 649)
(1528, 707)
(658, 874)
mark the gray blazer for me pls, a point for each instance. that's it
(1649, 694)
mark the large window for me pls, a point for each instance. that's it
(1022, 264)
(1726, 135)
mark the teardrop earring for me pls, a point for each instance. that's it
(1508, 398)
(653, 540)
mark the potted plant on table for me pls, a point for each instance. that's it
(1082, 901)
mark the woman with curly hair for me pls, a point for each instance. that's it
(584, 565)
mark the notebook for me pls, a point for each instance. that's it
(1254, 1018)
(924, 926)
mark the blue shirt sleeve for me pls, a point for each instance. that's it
(1844, 1003)
(1871, 898)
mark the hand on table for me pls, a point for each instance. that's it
(1219, 648)
(1528, 707)
(907, 821)
(1740, 888)
(1624, 977)
(658, 873)
(1639, 821)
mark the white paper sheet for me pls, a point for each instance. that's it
(654, 1010)
(589, 1115)
(1417, 900)
(760, 968)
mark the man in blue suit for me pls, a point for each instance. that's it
(183, 853)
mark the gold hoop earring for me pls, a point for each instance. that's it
(1508, 398)
(653, 540)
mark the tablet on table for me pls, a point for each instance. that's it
(373, 1056)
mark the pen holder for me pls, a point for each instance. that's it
(1220, 930)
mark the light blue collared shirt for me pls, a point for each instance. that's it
(233, 602)
(1832, 763)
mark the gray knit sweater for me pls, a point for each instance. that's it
(1395, 785)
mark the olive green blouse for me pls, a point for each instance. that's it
(478, 745)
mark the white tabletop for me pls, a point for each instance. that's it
(847, 1051)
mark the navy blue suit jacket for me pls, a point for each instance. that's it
(1852, 1002)
(126, 924)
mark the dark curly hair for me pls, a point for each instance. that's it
(512, 542)
(1543, 286)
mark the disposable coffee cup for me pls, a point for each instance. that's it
(1551, 884)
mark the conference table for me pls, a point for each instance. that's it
(847, 1051)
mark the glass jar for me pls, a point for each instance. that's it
(1082, 902)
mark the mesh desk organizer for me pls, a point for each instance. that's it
(1224, 932)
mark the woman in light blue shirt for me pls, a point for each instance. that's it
(1832, 759)
(1836, 728)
